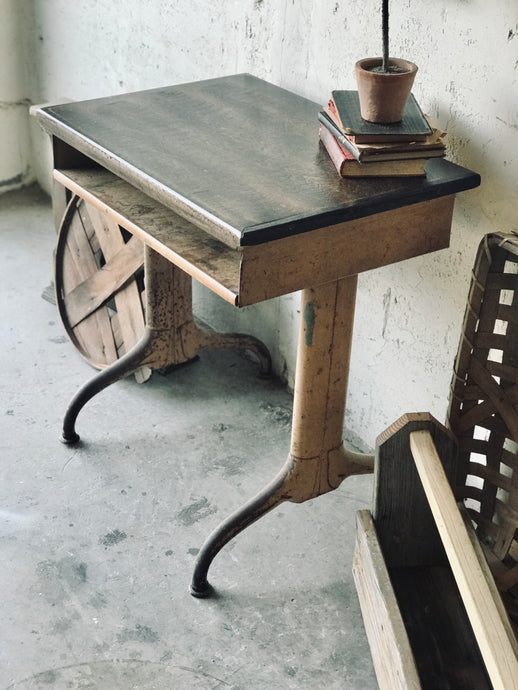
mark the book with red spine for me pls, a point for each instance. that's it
(347, 166)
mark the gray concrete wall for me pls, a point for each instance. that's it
(409, 315)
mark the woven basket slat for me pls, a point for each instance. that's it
(496, 395)
(494, 341)
(472, 445)
(507, 313)
(486, 530)
(470, 491)
(508, 373)
(475, 416)
(483, 410)
(501, 281)
(483, 472)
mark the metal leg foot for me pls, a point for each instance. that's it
(271, 496)
(253, 345)
(207, 338)
(117, 370)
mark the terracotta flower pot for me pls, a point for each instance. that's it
(383, 95)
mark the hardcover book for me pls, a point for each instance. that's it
(346, 107)
(432, 146)
(347, 166)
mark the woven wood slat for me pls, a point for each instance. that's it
(98, 277)
(483, 410)
(492, 475)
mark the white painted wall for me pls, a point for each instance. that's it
(408, 315)
(15, 149)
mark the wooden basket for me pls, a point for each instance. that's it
(483, 411)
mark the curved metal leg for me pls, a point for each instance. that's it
(299, 480)
(171, 336)
(209, 339)
(120, 368)
(270, 497)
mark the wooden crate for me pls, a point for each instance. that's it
(433, 614)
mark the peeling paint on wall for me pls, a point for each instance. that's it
(386, 309)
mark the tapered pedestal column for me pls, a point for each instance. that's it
(317, 461)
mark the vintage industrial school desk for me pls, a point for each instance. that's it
(224, 181)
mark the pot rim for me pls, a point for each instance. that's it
(407, 65)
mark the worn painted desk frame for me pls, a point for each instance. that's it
(260, 214)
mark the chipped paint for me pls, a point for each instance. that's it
(309, 320)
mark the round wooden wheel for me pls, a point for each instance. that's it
(99, 277)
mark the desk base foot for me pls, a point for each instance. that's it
(71, 440)
(203, 590)
(271, 496)
(122, 367)
(168, 369)
(170, 338)
(299, 480)
(209, 339)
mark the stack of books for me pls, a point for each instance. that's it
(365, 149)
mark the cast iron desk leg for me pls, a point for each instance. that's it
(171, 336)
(317, 462)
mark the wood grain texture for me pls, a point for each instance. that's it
(476, 585)
(445, 650)
(256, 273)
(75, 263)
(201, 256)
(416, 624)
(404, 522)
(97, 277)
(127, 298)
(90, 294)
(237, 156)
(390, 647)
(330, 253)
(322, 371)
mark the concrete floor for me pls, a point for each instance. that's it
(99, 541)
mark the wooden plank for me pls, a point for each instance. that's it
(93, 335)
(90, 294)
(404, 522)
(481, 598)
(127, 299)
(204, 258)
(445, 650)
(256, 273)
(390, 646)
(293, 263)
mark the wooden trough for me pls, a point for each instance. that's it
(436, 562)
